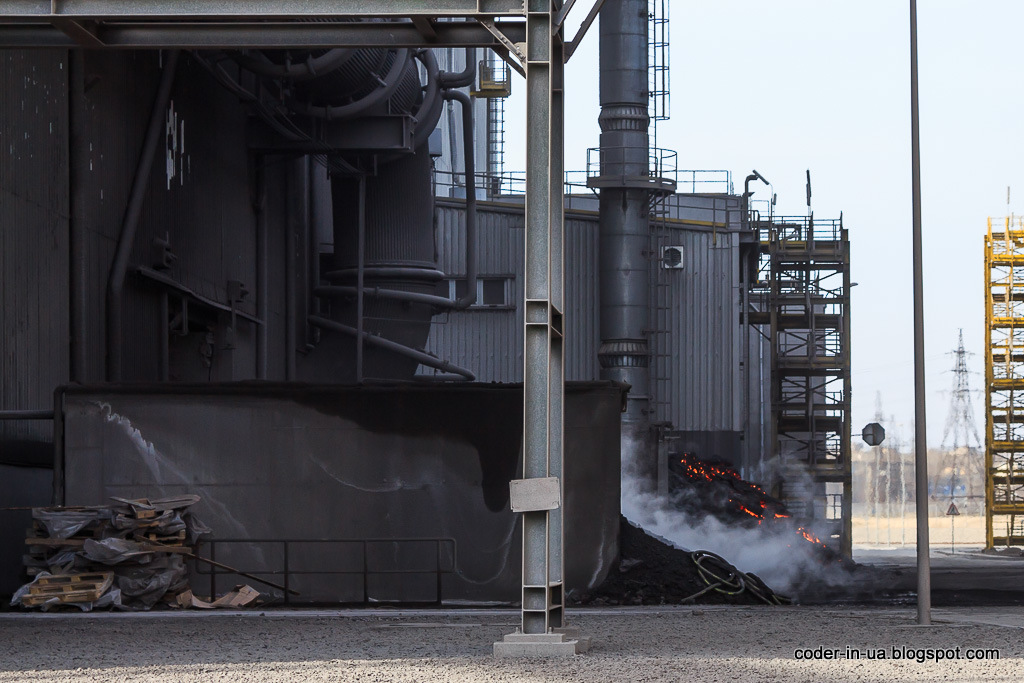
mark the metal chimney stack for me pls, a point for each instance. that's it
(624, 201)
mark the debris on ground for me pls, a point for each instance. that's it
(240, 596)
(653, 572)
(130, 554)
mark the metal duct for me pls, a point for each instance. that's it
(383, 220)
(398, 255)
(624, 353)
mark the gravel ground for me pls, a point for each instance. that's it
(629, 644)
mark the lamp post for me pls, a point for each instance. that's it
(924, 591)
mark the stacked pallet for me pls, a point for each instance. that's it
(140, 544)
(67, 588)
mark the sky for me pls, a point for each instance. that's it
(821, 85)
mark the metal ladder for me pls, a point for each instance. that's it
(495, 144)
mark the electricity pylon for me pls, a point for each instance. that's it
(961, 444)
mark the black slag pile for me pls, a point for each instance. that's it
(129, 555)
(653, 572)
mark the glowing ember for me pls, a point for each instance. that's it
(718, 490)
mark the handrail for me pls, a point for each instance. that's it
(443, 547)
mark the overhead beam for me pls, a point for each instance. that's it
(238, 35)
(267, 9)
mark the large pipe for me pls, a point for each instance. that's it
(130, 222)
(624, 263)
(417, 355)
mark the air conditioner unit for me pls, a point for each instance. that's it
(672, 257)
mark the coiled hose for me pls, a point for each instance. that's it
(722, 577)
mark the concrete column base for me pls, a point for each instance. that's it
(560, 642)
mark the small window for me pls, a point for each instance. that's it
(493, 293)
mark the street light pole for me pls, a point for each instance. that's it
(924, 590)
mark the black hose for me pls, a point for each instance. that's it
(722, 577)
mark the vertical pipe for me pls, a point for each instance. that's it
(78, 168)
(360, 274)
(308, 250)
(924, 591)
(262, 283)
(165, 351)
(470, 175)
(289, 295)
(624, 353)
(298, 215)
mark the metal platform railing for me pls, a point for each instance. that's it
(361, 559)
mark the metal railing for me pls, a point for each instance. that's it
(496, 185)
(513, 183)
(444, 561)
(800, 229)
(660, 163)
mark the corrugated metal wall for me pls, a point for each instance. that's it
(33, 234)
(697, 373)
(490, 341)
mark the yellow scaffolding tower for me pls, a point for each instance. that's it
(1004, 382)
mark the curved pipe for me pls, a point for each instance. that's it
(470, 169)
(311, 68)
(130, 221)
(390, 82)
(419, 356)
(429, 112)
(460, 79)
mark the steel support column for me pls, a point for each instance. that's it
(543, 377)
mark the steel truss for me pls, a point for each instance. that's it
(1004, 382)
(503, 25)
(802, 296)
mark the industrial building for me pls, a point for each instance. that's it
(282, 265)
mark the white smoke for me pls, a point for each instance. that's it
(777, 554)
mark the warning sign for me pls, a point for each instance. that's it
(952, 510)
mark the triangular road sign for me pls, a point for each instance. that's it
(952, 509)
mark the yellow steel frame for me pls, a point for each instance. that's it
(1004, 382)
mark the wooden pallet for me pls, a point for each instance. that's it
(172, 539)
(68, 588)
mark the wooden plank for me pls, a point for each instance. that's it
(56, 542)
